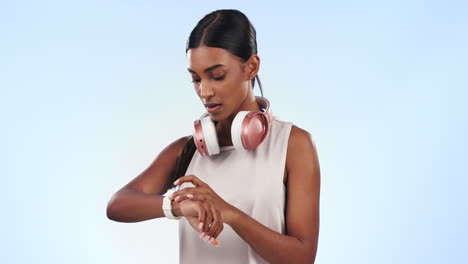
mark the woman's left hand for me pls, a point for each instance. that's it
(203, 192)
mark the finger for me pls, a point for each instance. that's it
(214, 241)
(180, 198)
(212, 237)
(215, 231)
(193, 194)
(196, 196)
(190, 178)
(192, 190)
(181, 192)
(215, 224)
(208, 218)
(201, 216)
(220, 226)
(218, 231)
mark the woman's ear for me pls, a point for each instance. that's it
(253, 66)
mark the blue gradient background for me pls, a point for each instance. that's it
(91, 91)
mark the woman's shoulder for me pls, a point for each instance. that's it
(299, 134)
(181, 141)
(301, 158)
(296, 131)
(171, 151)
(177, 145)
(300, 141)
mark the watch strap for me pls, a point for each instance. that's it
(167, 205)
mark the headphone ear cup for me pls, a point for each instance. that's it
(249, 129)
(209, 133)
(236, 130)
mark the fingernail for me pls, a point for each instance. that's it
(215, 243)
(170, 197)
(212, 239)
(177, 198)
(190, 195)
(200, 226)
(177, 181)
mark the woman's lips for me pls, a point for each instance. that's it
(213, 108)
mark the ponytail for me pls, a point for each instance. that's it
(184, 158)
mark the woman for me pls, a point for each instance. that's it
(259, 204)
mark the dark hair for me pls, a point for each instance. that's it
(183, 159)
(228, 29)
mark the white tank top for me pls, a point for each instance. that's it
(252, 181)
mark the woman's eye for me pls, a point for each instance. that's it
(214, 78)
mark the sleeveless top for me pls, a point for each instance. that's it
(252, 181)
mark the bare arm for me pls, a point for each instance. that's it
(141, 199)
(299, 245)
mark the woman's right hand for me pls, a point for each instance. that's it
(198, 214)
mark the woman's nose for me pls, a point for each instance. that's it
(206, 90)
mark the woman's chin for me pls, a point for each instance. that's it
(219, 117)
(216, 117)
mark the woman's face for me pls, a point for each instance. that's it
(221, 80)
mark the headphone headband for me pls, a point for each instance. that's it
(265, 104)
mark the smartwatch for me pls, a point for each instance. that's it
(167, 204)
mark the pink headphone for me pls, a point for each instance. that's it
(248, 129)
